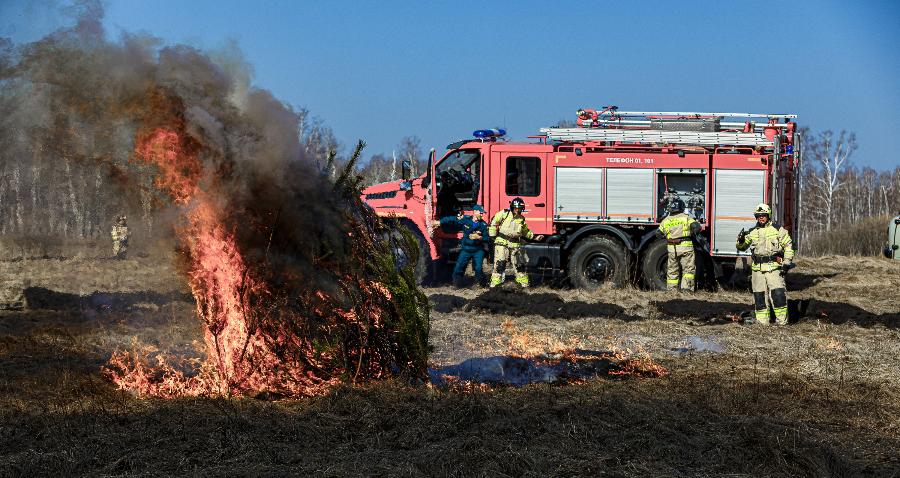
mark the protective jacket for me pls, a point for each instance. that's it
(766, 243)
(119, 233)
(678, 230)
(509, 230)
(468, 225)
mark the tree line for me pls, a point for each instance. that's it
(50, 190)
(836, 193)
(846, 208)
(52, 186)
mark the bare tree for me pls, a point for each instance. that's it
(831, 155)
(393, 165)
(318, 141)
(411, 150)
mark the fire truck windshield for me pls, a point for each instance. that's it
(457, 180)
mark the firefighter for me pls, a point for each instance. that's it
(678, 229)
(664, 202)
(772, 253)
(474, 237)
(120, 237)
(509, 231)
(695, 203)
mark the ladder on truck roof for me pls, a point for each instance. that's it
(609, 125)
(689, 114)
(655, 136)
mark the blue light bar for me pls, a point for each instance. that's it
(489, 133)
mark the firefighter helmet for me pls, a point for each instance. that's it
(517, 203)
(762, 209)
(676, 206)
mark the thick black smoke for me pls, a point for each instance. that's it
(76, 98)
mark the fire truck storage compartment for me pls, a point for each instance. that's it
(579, 194)
(738, 191)
(684, 182)
(629, 195)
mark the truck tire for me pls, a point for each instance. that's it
(653, 266)
(597, 260)
(422, 261)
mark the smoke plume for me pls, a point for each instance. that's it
(295, 287)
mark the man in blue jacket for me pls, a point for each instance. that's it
(474, 238)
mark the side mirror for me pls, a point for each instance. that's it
(405, 169)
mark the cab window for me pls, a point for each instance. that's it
(523, 176)
(457, 179)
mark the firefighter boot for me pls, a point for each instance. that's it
(457, 281)
(522, 279)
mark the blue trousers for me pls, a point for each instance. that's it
(463, 260)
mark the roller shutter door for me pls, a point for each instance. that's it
(737, 194)
(579, 194)
(629, 195)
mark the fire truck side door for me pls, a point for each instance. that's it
(524, 175)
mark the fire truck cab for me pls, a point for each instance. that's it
(599, 190)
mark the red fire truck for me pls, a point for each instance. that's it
(599, 190)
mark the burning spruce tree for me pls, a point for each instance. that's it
(294, 285)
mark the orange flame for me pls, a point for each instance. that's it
(239, 358)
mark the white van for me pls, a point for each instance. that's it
(892, 250)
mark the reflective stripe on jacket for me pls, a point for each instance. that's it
(766, 242)
(678, 228)
(509, 230)
(119, 233)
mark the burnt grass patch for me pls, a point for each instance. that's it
(799, 310)
(713, 415)
(701, 311)
(557, 369)
(518, 303)
(446, 303)
(796, 281)
(624, 428)
(840, 313)
(46, 299)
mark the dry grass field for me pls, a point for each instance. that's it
(820, 397)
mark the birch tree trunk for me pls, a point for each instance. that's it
(99, 203)
(35, 176)
(146, 206)
(394, 165)
(4, 221)
(73, 200)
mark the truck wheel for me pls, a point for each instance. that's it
(653, 266)
(596, 260)
(396, 238)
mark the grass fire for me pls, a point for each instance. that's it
(294, 286)
(197, 277)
